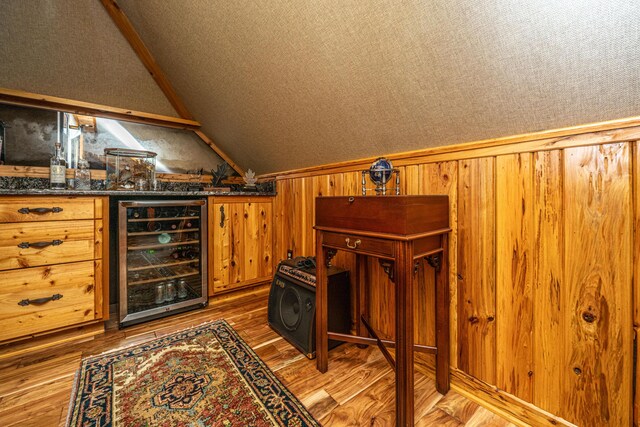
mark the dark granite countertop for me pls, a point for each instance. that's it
(15, 186)
(48, 192)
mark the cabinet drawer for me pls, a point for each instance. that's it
(25, 245)
(19, 209)
(364, 245)
(74, 282)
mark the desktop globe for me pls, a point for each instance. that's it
(380, 171)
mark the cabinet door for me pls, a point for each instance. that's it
(258, 240)
(240, 244)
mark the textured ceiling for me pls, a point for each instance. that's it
(282, 85)
(72, 49)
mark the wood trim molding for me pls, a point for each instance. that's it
(219, 152)
(131, 35)
(28, 99)
(502, 403)
(627, 129)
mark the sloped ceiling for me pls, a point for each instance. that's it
(72, 49)
(286, 84)
(282, 85)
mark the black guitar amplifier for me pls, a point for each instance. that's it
(292, 303)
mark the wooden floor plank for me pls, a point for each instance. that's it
(357, 390)
(33, 375)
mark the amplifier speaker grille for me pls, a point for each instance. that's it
(292, 306)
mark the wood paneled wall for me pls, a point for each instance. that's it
(542, 260)
(636, 276)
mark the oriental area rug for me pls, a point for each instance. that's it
(202, 376)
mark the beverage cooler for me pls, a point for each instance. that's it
(162, 252)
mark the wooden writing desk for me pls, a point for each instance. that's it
(399, 231)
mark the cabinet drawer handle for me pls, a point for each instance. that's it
(222, 217)
(39, 301)
(40, 245)
(355, 244)
(39, 211)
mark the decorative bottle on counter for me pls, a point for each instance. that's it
(58, 170)
(83, 176)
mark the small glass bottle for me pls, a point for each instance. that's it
(83, 176)
(58, 170)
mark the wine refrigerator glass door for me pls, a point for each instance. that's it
(162, 258)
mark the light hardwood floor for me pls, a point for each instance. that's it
(356, 391)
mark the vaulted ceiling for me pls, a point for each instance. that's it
(280, 85)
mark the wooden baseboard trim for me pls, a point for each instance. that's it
(43, 341)
(249, 284)
(258, 288)
(502, 403)
(498, 401)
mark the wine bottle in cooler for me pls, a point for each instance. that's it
(185, 253)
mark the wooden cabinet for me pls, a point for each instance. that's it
(240, 242)
(52, 269)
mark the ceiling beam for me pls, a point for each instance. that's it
(131, 35)
(220, 153)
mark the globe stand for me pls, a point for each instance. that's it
(380, 173)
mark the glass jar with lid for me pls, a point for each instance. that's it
(126, 167)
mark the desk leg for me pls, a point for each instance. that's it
(322, 341)
(361, 295)
(404, 333)
(442, 319)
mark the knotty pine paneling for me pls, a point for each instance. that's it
(636, 273)
(538, 240)
(435, 178)
(596, 299)
(236, 236)
(219, 248)
(251, 240)
(265, 239)
(284, 219)
(303, 243)
(476, 268)
(548, 281)
(514, 290)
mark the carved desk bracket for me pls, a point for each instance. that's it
(387, 266)
(329, 256)
(435, 261)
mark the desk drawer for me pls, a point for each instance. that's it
(33, 244)
(74, 282)
(364, 245)
(27, 209)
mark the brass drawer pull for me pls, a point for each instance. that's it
(39, 301)
(40, 245)
(355, 244)
(39, 211)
